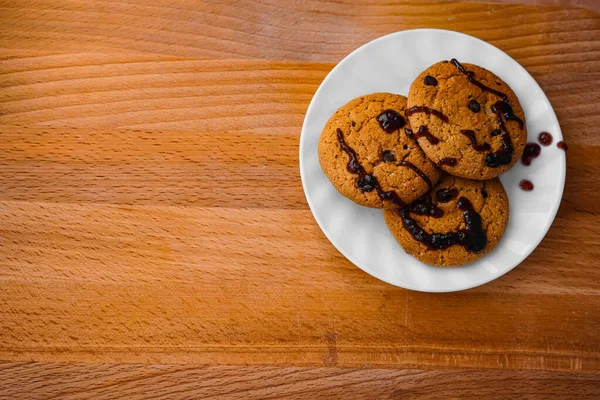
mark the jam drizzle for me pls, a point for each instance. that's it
(532, 150)
(562, 145)
(471, 136)
(445, 195)
(426, 110)
(526, 185)
(508, 113)
(472, 238)
(545, 138)
(424, 132)
(503, 155)
(418, 172)
(353, 164)
(471, 77)
(367, 182)
(424, 206)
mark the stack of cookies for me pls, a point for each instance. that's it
(431, 161)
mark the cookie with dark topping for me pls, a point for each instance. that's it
(465, 113)
(457, 222)
(368, 156)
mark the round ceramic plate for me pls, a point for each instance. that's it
(390, 64)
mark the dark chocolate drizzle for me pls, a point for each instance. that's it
(472, 238)
(367, 182)
(471, 135)
(426, 110)
(424, 132)
(390, 121)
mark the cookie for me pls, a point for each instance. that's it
(456, 223)
(367, 155)
(467, 120)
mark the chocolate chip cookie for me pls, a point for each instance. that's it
(466, 119)
(367, 155)
(456, 223)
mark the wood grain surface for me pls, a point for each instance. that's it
(151, 210)
(85, 381)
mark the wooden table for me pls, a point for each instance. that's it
(155, 240)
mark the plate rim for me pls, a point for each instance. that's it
(369, 271)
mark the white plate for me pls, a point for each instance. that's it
(390, 64)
